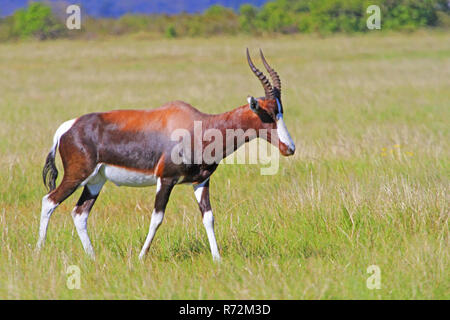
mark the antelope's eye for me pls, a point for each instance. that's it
(265, 116)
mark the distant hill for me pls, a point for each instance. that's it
(117, 8)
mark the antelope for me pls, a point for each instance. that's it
(134, 148)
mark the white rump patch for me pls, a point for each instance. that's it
(59, 133)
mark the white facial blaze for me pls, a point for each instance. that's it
(283, 133)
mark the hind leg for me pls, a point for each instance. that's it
(79, 162)
(81, 211)
(49, 204)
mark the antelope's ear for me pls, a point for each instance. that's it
(260, 112)
(253, 103)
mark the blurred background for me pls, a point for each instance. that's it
(200, 18)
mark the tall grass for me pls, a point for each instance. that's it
(367, 186)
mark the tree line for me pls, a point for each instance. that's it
(41, 21)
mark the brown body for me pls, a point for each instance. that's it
(135, 147)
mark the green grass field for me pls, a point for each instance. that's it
(368, 184)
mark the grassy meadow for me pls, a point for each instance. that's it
(368, 185)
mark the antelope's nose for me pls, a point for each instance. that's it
(287, 150)
(290, 151)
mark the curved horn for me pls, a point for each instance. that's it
(275, 78)
(266, 84)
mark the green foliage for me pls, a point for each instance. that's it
(132, 23)
(217, 11)
(171, 32)
(219, 20)
(328, 16)
(279, 16)
(247, 17)
(276, 17)
(338, 16)
(36, 20)
(410, 14)
(6, 28)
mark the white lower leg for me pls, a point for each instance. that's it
(80, 221)
(208, 222)
(48, 206)
(157, 218)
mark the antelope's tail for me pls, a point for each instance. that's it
(50, 172)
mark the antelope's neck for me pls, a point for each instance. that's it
(237, 126)
(239, 118)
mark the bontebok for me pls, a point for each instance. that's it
(137, 148)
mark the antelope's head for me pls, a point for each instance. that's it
(269, 109)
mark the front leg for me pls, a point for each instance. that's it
(163, 189)
(202, 195)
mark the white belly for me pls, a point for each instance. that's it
(125, 177)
